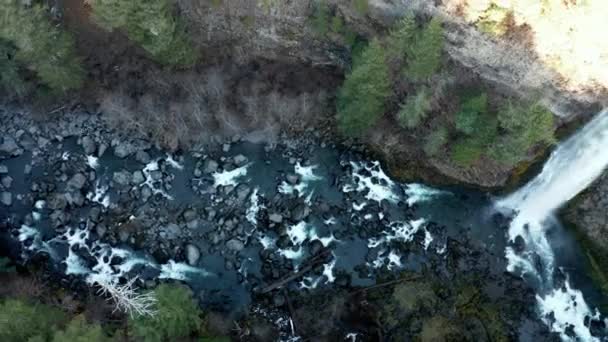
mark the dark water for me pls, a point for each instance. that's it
(342, 207)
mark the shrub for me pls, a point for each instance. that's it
(11, 81)
(361, 100)
(152, 25)
(177, 315)
(78, 330)
(435, 141)
(39, 46)
(494, 20)
(415, 108)
(20, 321)
(470, 110)
(424, 53)
(524, 125)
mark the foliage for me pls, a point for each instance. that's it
(321, 18)
(470, 110)
(152, 25)
(469, 149)
(361, 100)
(424, 52)
(39, 46)
(11, 80)
(78, 330)
(524, 125)
(415, 108)
(435, 141)
(20, 320)
(494, 20)
(177, 315)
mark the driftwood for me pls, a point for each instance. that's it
(312, 262)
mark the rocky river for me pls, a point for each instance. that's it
(258, 229)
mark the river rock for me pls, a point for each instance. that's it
(57, 201)
(226, 148)
(193, 254)
(123, 150)
(172, 231)
(101, 150)
(77, 181)
(7, 182)
(240, 160)
(300, 212)
(9, 147)
(122, 177)
(235, 245)
(142, 157)
(210, 166)
(3, 169)
(189, 215)
(138, 177)
(6, 198)
(242, 192)
(276, 218)
(293, 178)
(88, 144)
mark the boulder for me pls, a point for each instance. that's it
(122, 177)
(77, 181)
(142, 157)
(9, 147)
(3, 169)
(88, 144)
(138, 177)
(210, 166)
(300, 212)
(240, 160)
(276, 218)
(193, 254)
(123, 150)
(6, 198)
(7, 182)
(235, 245)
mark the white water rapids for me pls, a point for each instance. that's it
(572, 167)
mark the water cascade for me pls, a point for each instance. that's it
(572, 167)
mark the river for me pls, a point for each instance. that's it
(234, 221)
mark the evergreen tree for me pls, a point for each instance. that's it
(152, 25)
(78, 330)
(424, 55)
(361, 100)
(415, 108)
(39, 46)
(177, 315)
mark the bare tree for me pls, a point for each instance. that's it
(126, 297)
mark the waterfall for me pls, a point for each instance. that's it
(572, 167)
